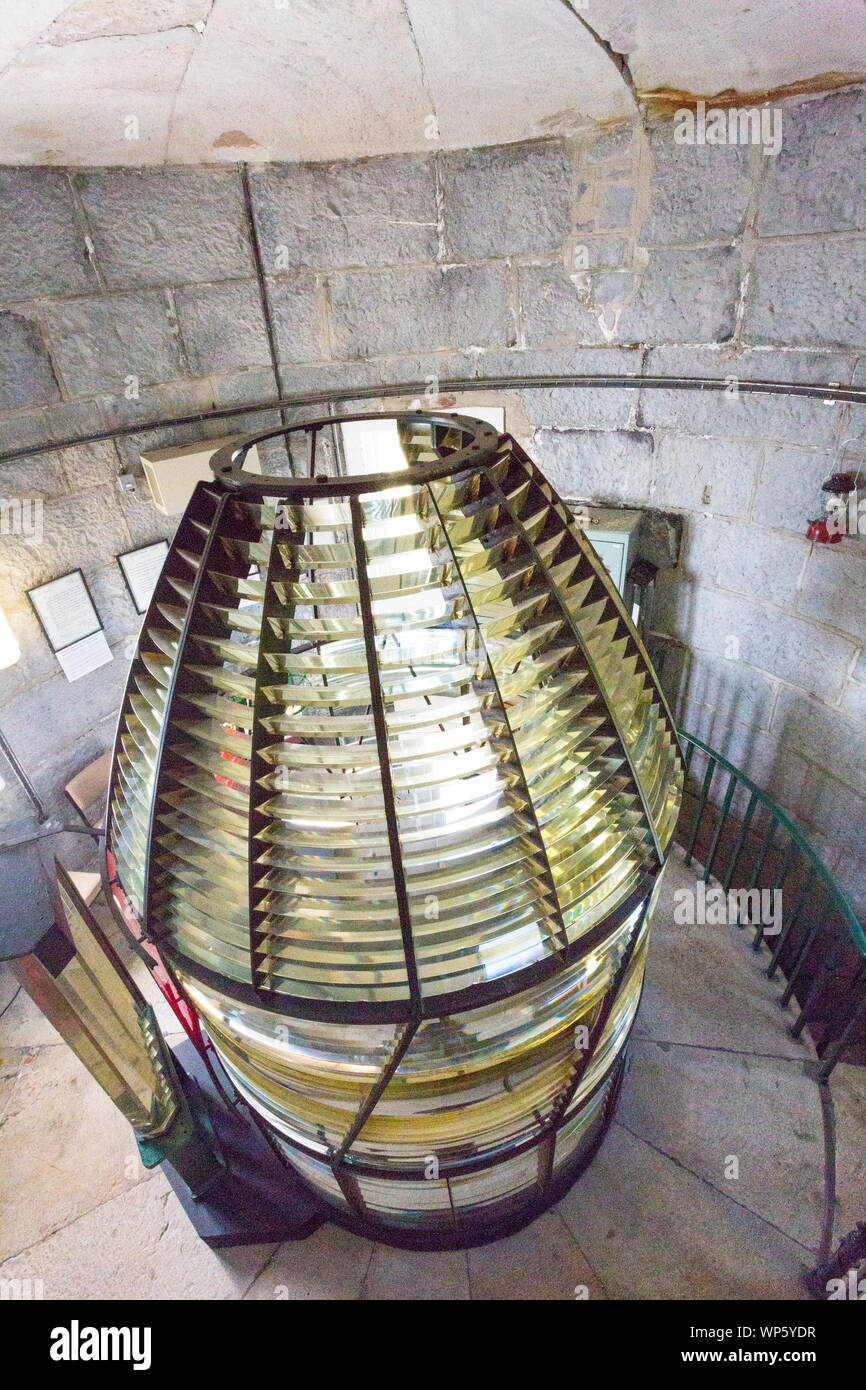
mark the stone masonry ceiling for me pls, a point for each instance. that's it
(138, 82)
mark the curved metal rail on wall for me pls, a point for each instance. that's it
(820, 391)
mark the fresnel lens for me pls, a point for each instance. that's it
(392, 789)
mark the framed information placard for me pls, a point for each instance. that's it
(140, 569)
(65, 610)
(71, 623)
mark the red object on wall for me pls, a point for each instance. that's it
(818, 530)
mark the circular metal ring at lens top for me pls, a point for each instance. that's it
(480, 448)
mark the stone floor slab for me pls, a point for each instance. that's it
(543, 1261)
(138, 1245)
(848, 1085)
(426, 1275)
(331, 1264)
(64, 1148)
(721, 1112)
(23, 1026)
(652, 1230)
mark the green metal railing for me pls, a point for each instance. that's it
(821, 948)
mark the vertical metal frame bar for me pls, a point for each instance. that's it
(765, 850)
(699, 812)
(376, 1092)
(826, 968)
(726, 806)
(741, 837)
(830, 1051)
(784, 936)
(802, 956)
(786, 869)
(381, 727)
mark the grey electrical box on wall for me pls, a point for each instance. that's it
(613, 533)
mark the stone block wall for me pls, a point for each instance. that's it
(132, 296)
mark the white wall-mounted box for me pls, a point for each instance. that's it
(613, 533)
(173, 473)
(492, 414)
